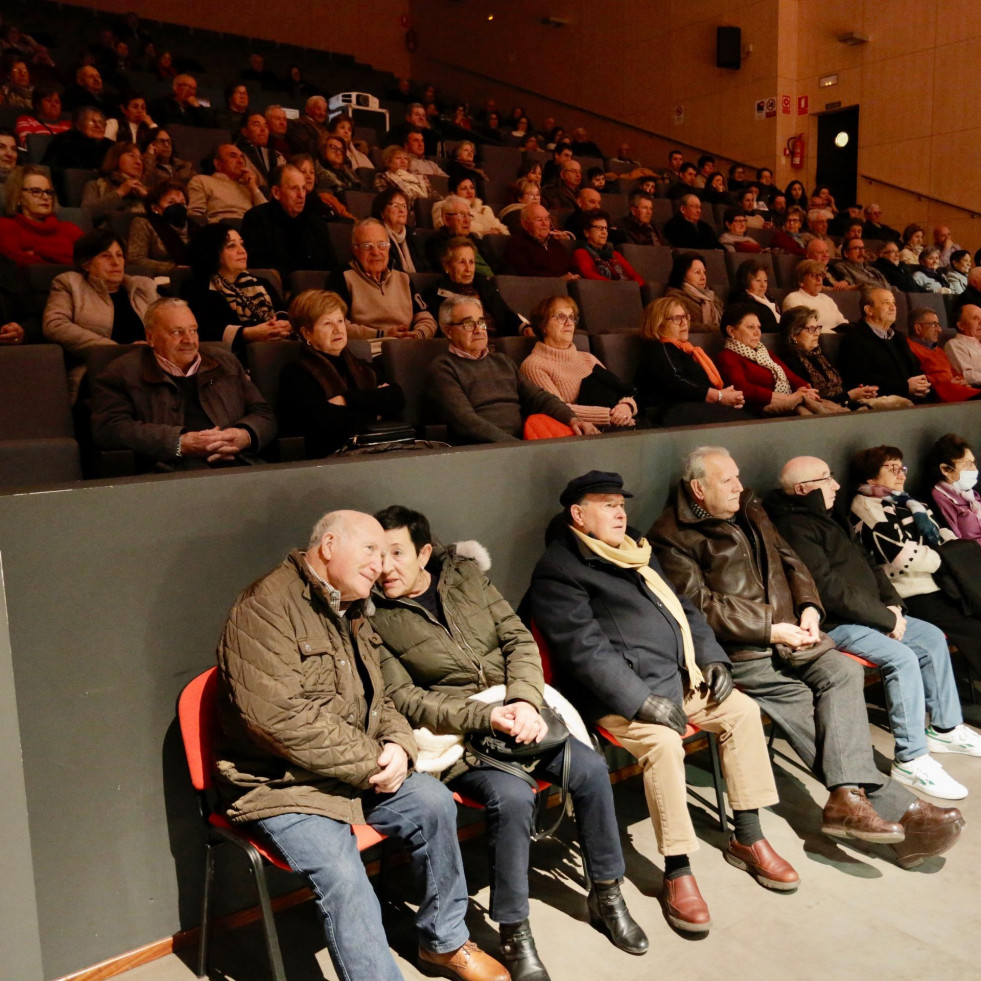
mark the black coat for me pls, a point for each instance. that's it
(611, 641)
(866, 359)
(768, 322)
(853, 588)
(213, 313)
(276, 241)
(898, 276)
(682, 234)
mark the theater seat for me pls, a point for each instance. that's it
(735, 259)
(620, 353)
(523, 293)
(605, 308)
(932, 301)
(405, 364)
(652, 262)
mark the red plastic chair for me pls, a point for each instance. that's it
(198, 719)
(690, 733)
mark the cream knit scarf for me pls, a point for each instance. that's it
(636, 556)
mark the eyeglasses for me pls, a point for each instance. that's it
(372, 246)
(600, 228)
(335, 146)
(927, 323)
(679, 319)
(469, 324)
(38, 192)
(565, 318)
(820, 480)
(456, 214)
(163, 139)
(895, 468)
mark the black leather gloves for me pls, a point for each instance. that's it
(718, 677)
(662, 711)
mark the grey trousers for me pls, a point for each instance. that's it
(820, 708)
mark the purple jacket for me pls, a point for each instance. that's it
(961, 518)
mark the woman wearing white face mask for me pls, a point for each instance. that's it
(952, 461)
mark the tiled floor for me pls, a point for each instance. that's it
(856, 915)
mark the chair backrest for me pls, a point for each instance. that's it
(37, 143)
(735, 259)
(271, 276)
(620, 353)
(40, 275)
(653, 262)
(358, 203)
(34, 400)
(422, 281)
(307, 279)
(500, 163)
(492, 248)
(784, 268)
(829, 346)
(516, 348)
(932, 301)
(266, 360)
(339, 233)
(715, 265)
(849, 302)
(405, 364)
(605, 308)
(199, 725)
(544, 653)
(78, 216)
(75, 180)
(30, 462)
(523, 293)
(710, 341)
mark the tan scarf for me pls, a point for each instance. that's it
(637, 556)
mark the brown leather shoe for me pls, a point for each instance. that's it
(848, 814)
(683, 905)
(468, 962)
(763, 864)
(930, 830)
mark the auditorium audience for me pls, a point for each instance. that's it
(30, 233)
(752, 281)
(480, 394)
(734, 238)
(686, 230)
(161, 161)
(482, 220)
(596, 258)
(685, 184)
(333, 172)
(678, 384)
(971, 294)
(951, 462)
(86, 90)
(229, 192)
(231, 117)
(46, 116)
(327, 395)
(229, 303)
(253, 140)
(464, 163)
(562, 194)
(17, 90)
(853, 269)
(796, 196)
(158, 240)
(182, 106)
(896, 273)
(9, 157)
(956, 273)
(637, 226)
(83, 147)
(342, 126)
(788, 237)
(460, 278)
(768, 385)
(121, 187)
(944, 241)
(98, 304)
(277, 123)
(817, 227)
(414, 145)
(905, 539)
(875, 229)
(528, 192)
(928, 277)
(305, 133)
(415, 187)
(134, 124)
(800, 348)
(457, 222)
(580, 379)
(381, 301)
(964, 350)
(872, 352)
(688, 284)
(175, 407)
(406, 253)
(912, 244)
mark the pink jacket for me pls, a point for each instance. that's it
(961, 518)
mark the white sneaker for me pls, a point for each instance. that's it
(926, 774)
(958, 740)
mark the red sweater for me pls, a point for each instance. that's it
(584, 264)
(30, 242)
(752, 379)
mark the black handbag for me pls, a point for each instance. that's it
(959, 575)
(501, 751)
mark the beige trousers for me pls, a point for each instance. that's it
(742, 751)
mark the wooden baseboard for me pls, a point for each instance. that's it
(233, 921)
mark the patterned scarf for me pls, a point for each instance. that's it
(246, 296)
(820, 371)
(637, 556)
(606, 263)
(761, 356)
(928, 530)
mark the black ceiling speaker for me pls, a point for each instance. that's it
(728, 47)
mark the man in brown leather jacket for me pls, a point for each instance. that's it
(718, 547)
(311, 745)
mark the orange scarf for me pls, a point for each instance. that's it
(702, 358)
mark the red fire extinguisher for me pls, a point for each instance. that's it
(795, 150)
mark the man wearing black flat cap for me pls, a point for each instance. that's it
(641, 662)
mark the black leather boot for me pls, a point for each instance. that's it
(519, 955)
(608, 912)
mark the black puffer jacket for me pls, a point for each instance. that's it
(853, 588)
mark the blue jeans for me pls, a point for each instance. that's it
(510, 805)
(422, 813)
(916, 675)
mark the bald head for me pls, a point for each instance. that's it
(969, 321)
(535, 221)
(346, 550)
(589, 199)
(804, 474)
(817, 249)
(974, 278)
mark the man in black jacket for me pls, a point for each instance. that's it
(686, 230)
(281, 234)
(864, 616)
(642, 663)
(872, 352)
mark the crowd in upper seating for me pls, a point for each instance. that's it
(442, 205)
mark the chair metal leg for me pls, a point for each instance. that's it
(209, 875)
(717, 780)
(268, 921)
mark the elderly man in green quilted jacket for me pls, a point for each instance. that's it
(311, 745)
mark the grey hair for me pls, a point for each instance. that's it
(929, 251)
(332, 521)
(819, 213)
(447, 312)
(366, 223)
(455, 201)
(313, 100)
(154, 310)
(693, 465)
